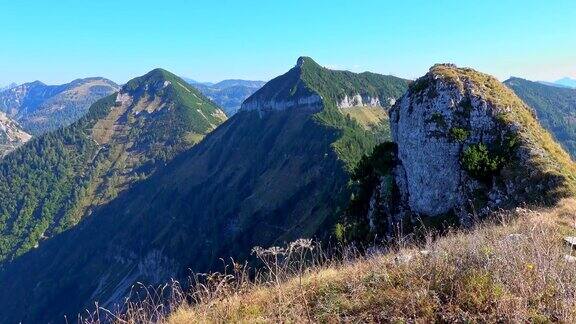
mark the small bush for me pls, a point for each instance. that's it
(419, 85)
(479, 162)
(459, 134)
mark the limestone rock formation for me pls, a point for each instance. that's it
(464, 144)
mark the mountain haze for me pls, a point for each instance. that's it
(228, 94)
(275, 171)
(566, 82)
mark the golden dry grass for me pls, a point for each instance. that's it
(513, 268)
(514, 271)
(367, 117)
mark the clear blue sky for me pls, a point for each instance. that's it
(57, 41)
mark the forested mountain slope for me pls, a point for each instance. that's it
(275, 171)
(554, 106)
(50, 183)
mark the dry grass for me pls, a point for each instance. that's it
(511, 269)
(368, 117)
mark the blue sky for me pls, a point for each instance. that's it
(57, 41)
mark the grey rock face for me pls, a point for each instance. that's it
(311, 103)
(358, 100)
(430, 161)
(429, 176)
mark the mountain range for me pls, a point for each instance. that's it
(155, 182)
(40, 108)
(567, 82)
(11, 85)
(50, 184)
(562, 83)
(228, 94)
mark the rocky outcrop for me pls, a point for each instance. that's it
(429, 175)
(310, 103)
(358, 100)
(466, 145)
(11, 135)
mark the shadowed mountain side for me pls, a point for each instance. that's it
(198, 209)
(265, 176)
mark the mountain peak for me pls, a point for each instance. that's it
(311, 87)
(144, 125)
(158, 74)
(37, 83)
(157, 80)
(305, 60)
(160, 89)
